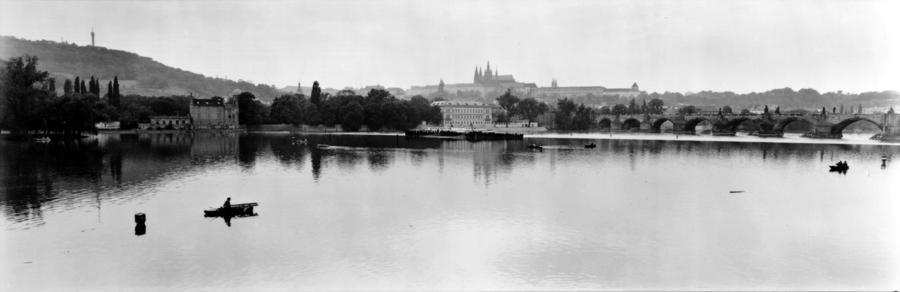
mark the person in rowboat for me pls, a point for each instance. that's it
(227, 204)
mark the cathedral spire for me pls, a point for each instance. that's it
(475, 77)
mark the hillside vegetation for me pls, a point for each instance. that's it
(139, 75)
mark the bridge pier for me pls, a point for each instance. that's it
(823, 130)
(615, 125)
(646, 126)
(890, 130)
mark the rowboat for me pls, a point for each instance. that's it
(838, 167)
(245, 209)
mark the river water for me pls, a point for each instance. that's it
(377, 212)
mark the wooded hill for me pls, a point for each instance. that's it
(138, 74)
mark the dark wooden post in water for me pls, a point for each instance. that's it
(140, 228)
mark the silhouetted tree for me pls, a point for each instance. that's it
(116, 87)
(619, 109)
(353, 116)
(250, 110)
(286, 109)
(508, 103)
(687, 110)
(51, 87)
(67, 87)
(656, 106)
(22, 103)
(530, 109)
(565, 111)
(727, 110)
(315, 96)
(584, 118)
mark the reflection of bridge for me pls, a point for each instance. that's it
(824, 126)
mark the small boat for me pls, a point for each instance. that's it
(735, 192)
(536, 146)
(590, 146)
(323, 146)
(42, 140)
(245, 209)
(840, 167)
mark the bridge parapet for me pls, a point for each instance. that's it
(770, 124)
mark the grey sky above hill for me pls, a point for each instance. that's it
(662, 45)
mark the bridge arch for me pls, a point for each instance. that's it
(839, 127)
(656, 126)
(783, 123)
(605, 123)
(631, 124)
(691, 125)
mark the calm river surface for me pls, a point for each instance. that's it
(382, 212)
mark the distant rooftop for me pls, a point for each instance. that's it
(457, 103)
(213, 101)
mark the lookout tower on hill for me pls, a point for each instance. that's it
(92, 37)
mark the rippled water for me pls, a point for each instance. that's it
(381, 212)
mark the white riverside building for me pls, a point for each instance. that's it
(466, 114)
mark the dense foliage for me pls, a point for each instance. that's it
(27, 105)
(378, 110)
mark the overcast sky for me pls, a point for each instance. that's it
(662, 45)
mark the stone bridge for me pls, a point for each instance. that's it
(772, 125)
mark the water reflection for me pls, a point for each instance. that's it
(374, 207)
(32, 172)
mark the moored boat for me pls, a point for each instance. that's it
(245, 209)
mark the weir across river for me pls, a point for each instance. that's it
(769, 124)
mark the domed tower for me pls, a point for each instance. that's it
(635, 87)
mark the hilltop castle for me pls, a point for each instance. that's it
(488, 77)
(488, 82)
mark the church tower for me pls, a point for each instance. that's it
(488, 74)
(635, 87)
(478, 75)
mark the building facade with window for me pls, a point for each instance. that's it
(464, 114)
(213, 113)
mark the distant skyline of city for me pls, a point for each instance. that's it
(683, 46)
